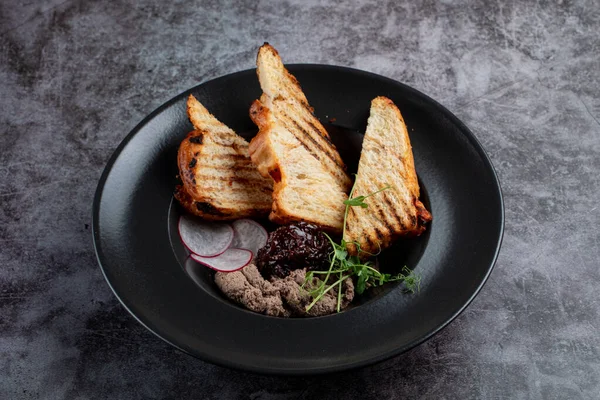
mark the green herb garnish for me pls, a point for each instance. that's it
(343, 266)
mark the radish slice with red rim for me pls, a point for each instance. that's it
(207, 239)
(249, 234)
(231, 260)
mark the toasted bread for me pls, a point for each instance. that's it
(294, 149)
(386, 159)
(219, 180)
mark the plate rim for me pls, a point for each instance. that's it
(464, 131)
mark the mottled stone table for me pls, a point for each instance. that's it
(76, 76)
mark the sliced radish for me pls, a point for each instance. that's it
(249, 234)
(231, 260)
(207, 239)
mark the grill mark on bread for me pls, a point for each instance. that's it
(323, 133)
(306, 138)
(246, 181)
(327, 147)
(287, 121)
(413, 220)
(304, 103)
(229, 145)
(232, 203)
(293, 95)
(213, 197)
(237, 165)
(297, 94)
(240, 181)
(382, 216)
(394, 217)
(382, 226)
(380, 236)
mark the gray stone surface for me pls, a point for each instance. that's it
(76, 76)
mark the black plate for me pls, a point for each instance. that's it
(144, 263)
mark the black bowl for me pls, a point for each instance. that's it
(146, 265)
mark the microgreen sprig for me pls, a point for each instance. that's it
(343, 265)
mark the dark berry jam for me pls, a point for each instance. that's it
(300, 245)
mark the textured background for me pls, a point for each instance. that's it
(76, 76)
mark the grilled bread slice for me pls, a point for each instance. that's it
(386, 159)
(219, 180)
(294, 149)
